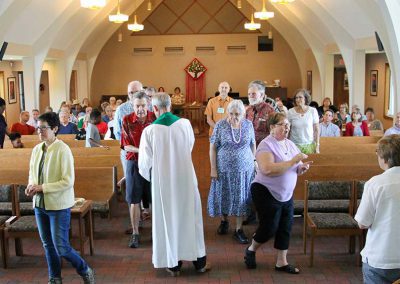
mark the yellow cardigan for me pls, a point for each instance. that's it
(58, 175)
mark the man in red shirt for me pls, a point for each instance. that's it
(259, 111)
(136, 186)
(22, 127)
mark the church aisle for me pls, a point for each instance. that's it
(114, 262)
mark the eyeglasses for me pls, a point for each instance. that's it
(298, 97)
(235, 114)
(43, 128)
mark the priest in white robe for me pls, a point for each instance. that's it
(165, 158)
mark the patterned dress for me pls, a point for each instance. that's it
(230, 192)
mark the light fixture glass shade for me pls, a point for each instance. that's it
(264, 14)
(282, 1)
(135, 27)
(118, 18)
(93, 4)
(239, 4)
(252, 26)
(149, 6)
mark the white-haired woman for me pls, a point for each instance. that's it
(232, 148)
(305, 123)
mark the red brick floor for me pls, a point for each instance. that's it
(114, 262)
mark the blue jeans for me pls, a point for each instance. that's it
(53, 228)
(374, 275)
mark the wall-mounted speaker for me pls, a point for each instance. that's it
(265, 43)
(379, 42)
(3, 50)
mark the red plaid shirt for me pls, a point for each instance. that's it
(132, 130)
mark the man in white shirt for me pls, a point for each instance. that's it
(379, 212)
(326, 127)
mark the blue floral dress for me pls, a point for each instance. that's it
(230, 192)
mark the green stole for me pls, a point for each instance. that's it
(166, 119)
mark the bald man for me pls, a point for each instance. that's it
(216, 107)
(22, 126)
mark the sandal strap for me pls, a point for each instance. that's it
(288, 268)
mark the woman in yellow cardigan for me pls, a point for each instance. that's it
(51, 180)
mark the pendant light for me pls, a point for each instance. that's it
(118, 18)
(264, 14)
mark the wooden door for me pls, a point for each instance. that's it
(340, 87)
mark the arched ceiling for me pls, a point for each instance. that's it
(62, 29)
(32, 19)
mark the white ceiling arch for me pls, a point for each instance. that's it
(38, 28)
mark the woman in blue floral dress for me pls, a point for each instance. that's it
(232, 148)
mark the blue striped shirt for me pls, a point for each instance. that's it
(329, 130)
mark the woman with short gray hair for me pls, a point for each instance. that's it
(232, 148)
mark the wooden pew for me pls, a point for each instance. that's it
(378, 133)
(349, 140)
(335, 172)
(347, 148)
(74, 143)
(94, 183)
(343, 159)
(79, 161)
(32, 140)
(63, 137)
(78, 151)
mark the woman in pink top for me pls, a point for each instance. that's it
(279, 161)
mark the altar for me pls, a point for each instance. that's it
(193, 112)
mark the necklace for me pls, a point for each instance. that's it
(233, 134)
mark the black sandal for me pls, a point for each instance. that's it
(288, 269)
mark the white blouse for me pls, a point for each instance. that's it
(302, 125)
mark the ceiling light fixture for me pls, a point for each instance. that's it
(149, 6)
(239, 4)
(264, 14)
(120, 35)
(135, 27)
(282, 1)
(252, 26)
(118, 18)
(270, 32)
(93, 4)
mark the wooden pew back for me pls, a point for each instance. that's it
(343, 159)
(335, 172)
(347, 148)
(74, 143)
(94, 183)
(349, 140)
(79, 151)
(10, 162)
